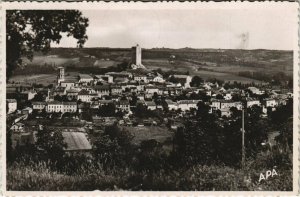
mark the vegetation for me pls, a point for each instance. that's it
(30, 31)
(199, 159)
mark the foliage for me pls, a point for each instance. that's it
(107, 110)
(50, 144)
(113, 147)
(39, 177)
(282, 113)
(141, 111)
(196, 81)
(33, 30)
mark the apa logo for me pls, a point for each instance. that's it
(269, 173)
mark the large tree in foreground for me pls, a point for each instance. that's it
(28, 31)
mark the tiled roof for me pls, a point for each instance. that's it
(83, 92)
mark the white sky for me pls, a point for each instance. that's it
(222, 28)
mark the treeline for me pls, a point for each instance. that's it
(279, 78)
(96, 70)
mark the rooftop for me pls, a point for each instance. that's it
(188, 102)
(11, 100)
(85, 76)
(83, 92)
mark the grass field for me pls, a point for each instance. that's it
(52, 60)
(44, 79)
(39, 177)
(226, 73)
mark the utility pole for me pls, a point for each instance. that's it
(243, 139)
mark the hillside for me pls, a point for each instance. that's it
(219, 63)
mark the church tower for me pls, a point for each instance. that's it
(61, 75)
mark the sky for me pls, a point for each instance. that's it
(225, 29)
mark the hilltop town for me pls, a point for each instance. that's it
(130, 99)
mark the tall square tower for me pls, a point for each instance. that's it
(137, 55)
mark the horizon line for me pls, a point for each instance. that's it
(171, 48)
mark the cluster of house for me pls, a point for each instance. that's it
(118, 87)
(74, 94)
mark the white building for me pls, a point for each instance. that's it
(185, 80)
(255, 90)
(140, 78)
(270, 103)
(123, 105)
(186, 105)
(63, 107)
(158, 79)
(61, 75)
(216, 104)
(28, 94)
(229, 104)
(171, 105)
(11, 105)
(224, 104)
(225, 112)
(85, 78)
(102, 90)
(228, 96)
(84, 96)
(150, 105)
(38, 106)
(151, 90)
(115, 90)
(104, 78)
(67, 84)
(251, 102)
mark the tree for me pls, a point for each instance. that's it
(282, 113)
(219, 96)
(51, 144)
(133, 100)
(172, 79)
(113, 147)
(58, 98)
(107, 110)
(30, 31)
(39, 97)
(196, 81)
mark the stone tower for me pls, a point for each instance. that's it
(137, 56)
(61, 75)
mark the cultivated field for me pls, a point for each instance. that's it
(44, 79)
(226, 73)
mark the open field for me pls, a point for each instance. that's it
(44, 79)
(227, 74)
(53, 60)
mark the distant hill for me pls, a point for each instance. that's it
(222, 63)
(260, 58)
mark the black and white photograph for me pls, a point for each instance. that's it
(178, 97)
